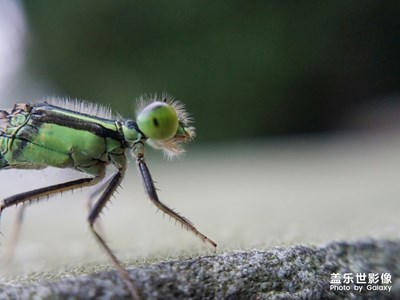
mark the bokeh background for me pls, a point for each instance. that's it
(296, 107)
(245, 69)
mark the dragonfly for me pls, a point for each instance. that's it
(75, 134)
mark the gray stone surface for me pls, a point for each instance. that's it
(297, 272)
(244, 196)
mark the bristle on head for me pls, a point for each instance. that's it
(172, 147)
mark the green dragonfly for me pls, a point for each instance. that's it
(87, 137)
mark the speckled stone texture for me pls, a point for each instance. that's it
(298, 272)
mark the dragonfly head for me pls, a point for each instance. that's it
(165, 124)
(158, 121)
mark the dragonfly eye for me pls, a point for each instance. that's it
(158, 121)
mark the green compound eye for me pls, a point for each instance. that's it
(158, 121)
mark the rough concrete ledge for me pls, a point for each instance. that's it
(298, 272)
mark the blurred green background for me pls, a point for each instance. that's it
(245, 69)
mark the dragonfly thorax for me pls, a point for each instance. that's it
(131, 132)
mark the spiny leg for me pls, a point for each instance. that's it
(93, 215)
(152, 193)
(37, 194)
(49, 190)
(92, 199)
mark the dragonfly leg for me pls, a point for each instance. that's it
(49, 190)
(91, 200)
(93, 216)
(152, 193)
(37, 194)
